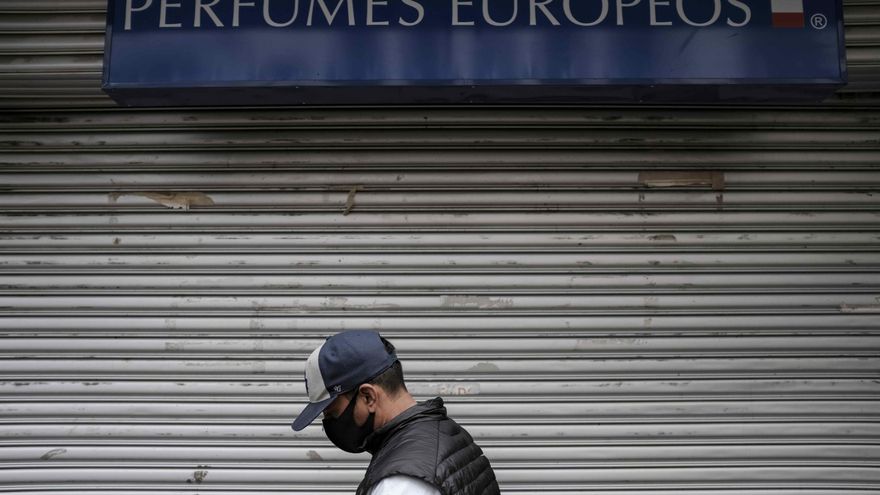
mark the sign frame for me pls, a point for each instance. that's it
(470, 91)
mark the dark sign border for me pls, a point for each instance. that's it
(661, 91)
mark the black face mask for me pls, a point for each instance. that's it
(343, 431)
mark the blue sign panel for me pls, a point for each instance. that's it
(198, 52)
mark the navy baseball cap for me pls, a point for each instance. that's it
(343, 362)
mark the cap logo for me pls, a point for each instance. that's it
(337, 388)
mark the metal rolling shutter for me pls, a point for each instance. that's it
(612, 300)
(862, 19)
(635, 300)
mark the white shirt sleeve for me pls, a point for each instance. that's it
(403, 485)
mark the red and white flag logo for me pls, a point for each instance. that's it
(788, 13)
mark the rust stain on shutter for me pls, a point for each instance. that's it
(177, 200)
(685, 178)
(349, 201)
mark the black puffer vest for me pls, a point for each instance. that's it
(424, 443)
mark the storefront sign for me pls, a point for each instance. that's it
(207, 52)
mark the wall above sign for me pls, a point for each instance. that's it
(283, 52)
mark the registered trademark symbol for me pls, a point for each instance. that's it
(819, 21)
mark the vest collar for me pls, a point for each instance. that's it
(429, 409)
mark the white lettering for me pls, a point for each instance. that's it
(455, 5)
(419, 8)
(488, 17)
(206, 8)
(679, 4)
(578, 12)
(620, 5)
(236, 6)
(268, 17)
(745, 8)
(370, 5)
(331, 16)
(566, 6)
(534, 5)
(129, 10)
(163, 14)
(654, 4)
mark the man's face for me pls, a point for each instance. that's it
(361, 410)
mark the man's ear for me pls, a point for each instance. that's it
(370, 395)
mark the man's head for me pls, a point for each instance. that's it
(347, 366)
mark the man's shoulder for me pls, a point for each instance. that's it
(411, 450)
(414, 441)
(426, 434)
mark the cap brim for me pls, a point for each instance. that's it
(311, 412)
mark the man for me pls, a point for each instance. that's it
(355, 379)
